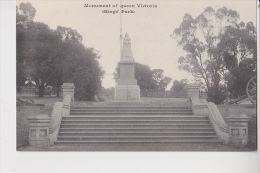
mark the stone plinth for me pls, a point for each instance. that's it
(68, 88)
(193, 90)
(238, 129)
(127, 92)
(39, 131)
(127, 72)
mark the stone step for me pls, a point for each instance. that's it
(132, 109)
(133, 113)
(125, 134)
(142, 142)
(135, 122)
(130, 130)
(134, 138)
(142, 117)
(137, 126)
(129, 107)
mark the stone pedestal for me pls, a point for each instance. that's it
(193, 90)
(238, 129)
(127, 92)
(127, 88)
(68, 88)
(39, 131)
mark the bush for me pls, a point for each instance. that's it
(216, 95)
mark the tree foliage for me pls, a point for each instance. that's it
(238, 45)
(144, 77)
(148, 79)
(161, 80)
(52, 57)
(178, 88)
(215, 43)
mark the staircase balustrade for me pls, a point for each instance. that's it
(222, 129)
(56, 117)
(61, 109)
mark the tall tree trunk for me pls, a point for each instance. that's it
(58, 90)
(41, 90)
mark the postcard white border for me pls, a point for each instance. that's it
(127, 162)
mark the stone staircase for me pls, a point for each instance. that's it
(134, 124)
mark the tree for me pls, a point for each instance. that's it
(24, 17)
(178, 88)
(79, 65)
(161, 80)
(238, 47)
(35, 46)
(144, 77)
(164, 83)
(64, 62)
(157, 75)
(148, 79)
(241, 76)
(52, 57)
(85, 72)
(44, 50)
(202, 39)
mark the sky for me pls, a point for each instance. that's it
(148, 28)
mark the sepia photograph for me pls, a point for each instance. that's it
(129, 86)
(123, 75)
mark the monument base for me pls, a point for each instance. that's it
(127, 92)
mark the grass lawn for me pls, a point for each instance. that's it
(24, 111)
(250, 111)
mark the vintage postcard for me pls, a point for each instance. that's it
(139, 75)
(136, 75)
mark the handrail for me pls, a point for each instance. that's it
(59, 110)
(220, 123)
(217, 121)
(66, 105)
(56, 117)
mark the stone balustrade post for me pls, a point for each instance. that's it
(199, 107)
(68, 88)
(39, 127)
(238, 129)
(193, 90)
